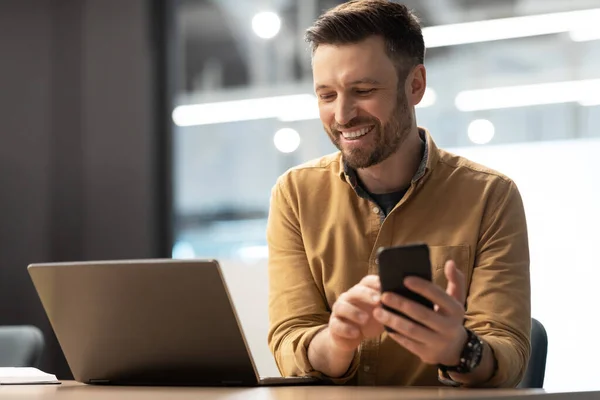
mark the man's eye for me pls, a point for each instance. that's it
(364, 91)
(326, 96)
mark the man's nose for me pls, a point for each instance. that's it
(345, 111)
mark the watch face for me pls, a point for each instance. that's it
(476, 348)
(476, 357)
(470, 357)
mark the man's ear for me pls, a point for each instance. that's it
(416, 83)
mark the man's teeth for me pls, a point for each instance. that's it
(355, 134)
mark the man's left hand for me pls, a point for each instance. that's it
(441, 337)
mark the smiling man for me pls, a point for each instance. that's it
(388, 185)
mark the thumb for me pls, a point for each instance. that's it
(456, 282)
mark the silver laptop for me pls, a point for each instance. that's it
(148, 322)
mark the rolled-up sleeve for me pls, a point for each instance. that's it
(297, 308)
(499, 299)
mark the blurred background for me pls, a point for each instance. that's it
(245, 108)
(156, 128)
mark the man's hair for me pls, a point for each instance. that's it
(356, 20)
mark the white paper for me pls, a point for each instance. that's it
(24, 376)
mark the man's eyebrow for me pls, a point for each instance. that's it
(366, 80)
(369, 81)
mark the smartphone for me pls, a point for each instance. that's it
(398, 262)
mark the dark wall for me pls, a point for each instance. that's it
(83, 154)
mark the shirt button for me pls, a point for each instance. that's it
(366, 368)
(376, 210)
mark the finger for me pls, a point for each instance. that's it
(432, 320)
(418, 349)
(371, 281)
(456, 282)
(343, 329)
(447, 304)
(350, 312)
(404, 326)
(363, 294)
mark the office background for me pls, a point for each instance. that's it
(155, 128)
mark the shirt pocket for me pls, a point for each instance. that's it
(440, 254)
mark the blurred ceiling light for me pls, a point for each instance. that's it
(266, 24)
(285, 108)
(286, 140)
(592, 100)
(509, 28)
(529, 95)
(289, 108)
(585, 34)
(300, 113)
(481, 131)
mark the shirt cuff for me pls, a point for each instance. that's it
(507, 371)
(299, 346)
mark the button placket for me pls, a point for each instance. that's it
(368, 371)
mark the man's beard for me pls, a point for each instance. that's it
(387, 138)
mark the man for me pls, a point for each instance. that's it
(390, 185)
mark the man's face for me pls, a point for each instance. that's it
(364, 109)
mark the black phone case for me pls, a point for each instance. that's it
(395, 264)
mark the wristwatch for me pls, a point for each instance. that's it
(470, 358)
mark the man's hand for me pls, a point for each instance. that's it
(352, 318)
(331, 351)
(442, 336)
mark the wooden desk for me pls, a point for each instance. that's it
(75, 391)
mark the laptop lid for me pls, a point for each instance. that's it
(145, 322)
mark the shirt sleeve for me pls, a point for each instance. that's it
(499, 299)
(298, 309)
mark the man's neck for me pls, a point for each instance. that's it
(396, 172)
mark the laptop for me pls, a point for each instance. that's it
(148, 322)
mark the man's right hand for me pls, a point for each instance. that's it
(352, 319)
(332, 350)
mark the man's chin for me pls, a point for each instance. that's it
(358, 161)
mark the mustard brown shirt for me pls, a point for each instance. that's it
(323, 234)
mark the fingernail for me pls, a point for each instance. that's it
(376, 298)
